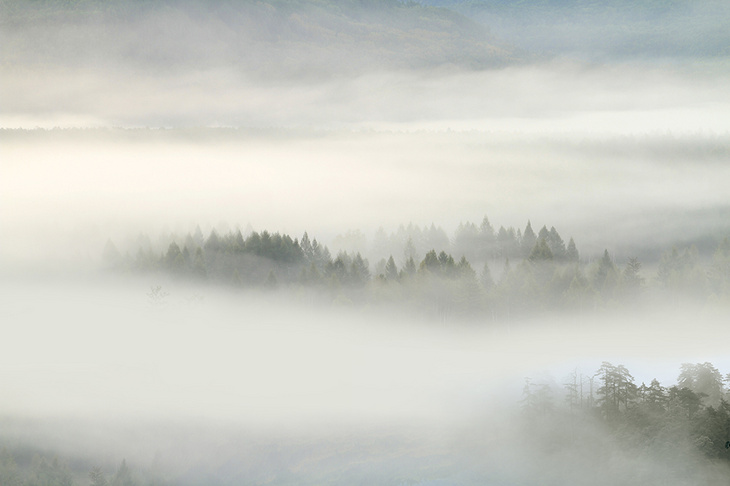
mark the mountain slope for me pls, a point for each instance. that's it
(608, 28)
(269, 37)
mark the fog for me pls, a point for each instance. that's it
(92, 351)
(65, 193)
(212, 380)
(125, 124)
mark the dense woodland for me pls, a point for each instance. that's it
(479, 273)
(687, 425)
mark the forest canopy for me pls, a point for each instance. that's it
(478, 273)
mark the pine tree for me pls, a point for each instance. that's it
(430, 263)
(212, 244)
(540, 252)
(391, 271)
(123, 476)
(571, 252)
(97, 477)
(631, 280)
(605, 274)
(487, 240)
(556, 244)
(703, 379)
(409, 251)
(409, 269)
(486, 278)
(359, 274)
(529, 239)
(306, 247)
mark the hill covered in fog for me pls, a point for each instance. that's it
(303, 38)
(606, 29)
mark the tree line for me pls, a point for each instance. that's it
(539, 271)
(686, 424)
(691, 416)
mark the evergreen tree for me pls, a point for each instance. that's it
(556, 244)
(409, 251)
(174, 260)
(49, 473)
(571, 252)
(409, 269)
(719, 274)
(529, 239)
(447, 266)
(238, 244)
(631, 280)
(487, 239)
(123, 476)
(212, 244)
(391, 271)
(605, 274)
(466, 240)
(97, 477)
(430, 263)
(198, 236)
(655, 396)
(540, 252)
(681, 272)
(704, 380)
(486, 278)
(437, 238)
(359, 271)
(507, 243)
(306, 247)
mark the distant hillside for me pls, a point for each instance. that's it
(608, 28)
(266, 37)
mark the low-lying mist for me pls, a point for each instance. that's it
(200, 382)
(65, 193)
(546, 97)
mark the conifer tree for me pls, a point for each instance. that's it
(97, 477)
(529, 239)
(487, 240)
(430, 263)
(391, 271)
(486, 278)
(409, 269)
(571, 252)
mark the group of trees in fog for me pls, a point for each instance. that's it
(692, 416)
(425, 269)
(589, 417)
(42, 471)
